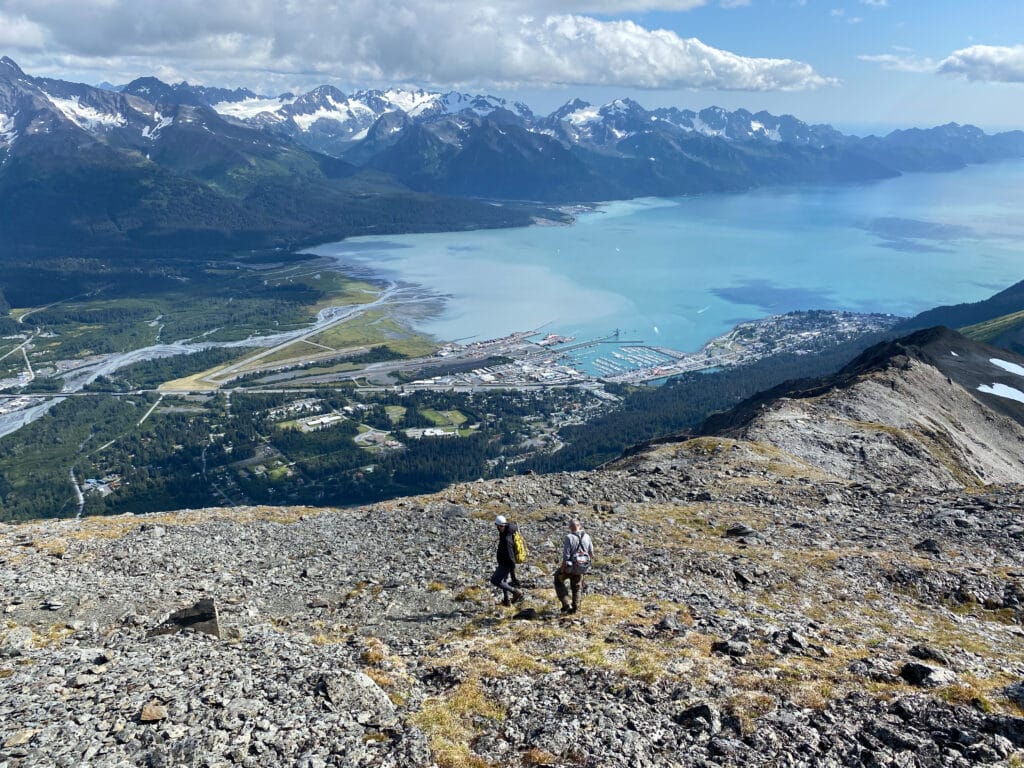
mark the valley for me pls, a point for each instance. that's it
(213, 418)
(94, 344)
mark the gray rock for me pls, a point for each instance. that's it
(928, 653)
(930, 546)
(1015, 693)
(700, 717)
(735, 648)
(670, 623)
(925, 675)
(350, 691)
(15, 641)
(201, 617)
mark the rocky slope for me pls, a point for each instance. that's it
(745, 609)
(934, 408)
(749, 605)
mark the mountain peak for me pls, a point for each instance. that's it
(574, 105)
(144, 84)
(627, 105)
(10, 66)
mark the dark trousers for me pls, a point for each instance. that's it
(575, 584)
(504, 578)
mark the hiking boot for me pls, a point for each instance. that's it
(565, 607)
(505, 601)
(575, 607)
(517, 596)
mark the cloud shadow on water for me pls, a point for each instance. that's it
(771, 297)
(917, 236)
(912, 246)
(895, 228)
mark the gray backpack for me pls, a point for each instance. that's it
(579, 564)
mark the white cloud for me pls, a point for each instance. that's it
(429, 42)
(876, 3)
(20, 32)
(987, 63)
(901, 62)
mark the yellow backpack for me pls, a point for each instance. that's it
(518, 547)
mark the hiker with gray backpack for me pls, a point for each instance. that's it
(577, 555)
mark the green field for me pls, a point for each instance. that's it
(376, 327)
(993, 329)
(445, 418)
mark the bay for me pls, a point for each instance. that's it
(678, 272)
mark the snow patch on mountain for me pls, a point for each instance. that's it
(1002, 390)
(413, 103)
(161, 122)
(701, 127)
(1006, 366)
(7, 132)
(759, 127)
(588, 114)
(340, 113)
(85, 116)
(250, 108)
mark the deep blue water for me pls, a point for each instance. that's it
(677, 272)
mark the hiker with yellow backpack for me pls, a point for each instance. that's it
(511, 550)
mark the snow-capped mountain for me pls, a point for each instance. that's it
(741, 125)
(463, 144)
(328, 120)
(94, 169)
(70, 113)
(578, 122)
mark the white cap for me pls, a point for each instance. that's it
(500, 520)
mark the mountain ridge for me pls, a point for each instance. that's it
(100, 169)
(578, 153)
(933, 408)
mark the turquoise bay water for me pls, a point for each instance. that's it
(677, 272)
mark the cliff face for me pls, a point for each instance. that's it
(751, 604)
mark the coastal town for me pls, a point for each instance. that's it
(526, 360)
(559, 361)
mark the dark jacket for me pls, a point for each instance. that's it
(506, 549)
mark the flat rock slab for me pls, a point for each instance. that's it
(201, 617)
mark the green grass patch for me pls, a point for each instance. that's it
(376, 326)
(277, 473)
(444, 418)
(992, 329)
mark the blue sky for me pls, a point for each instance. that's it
(858, 64)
